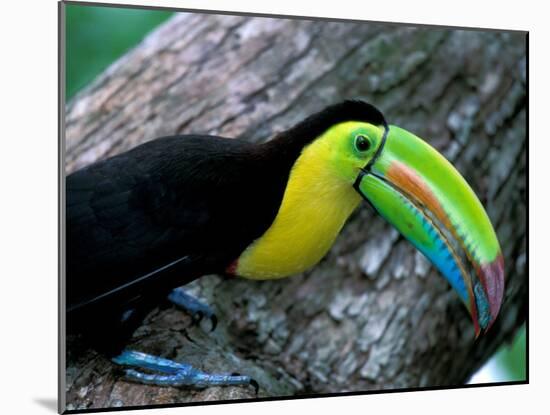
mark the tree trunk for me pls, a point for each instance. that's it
(373, 314)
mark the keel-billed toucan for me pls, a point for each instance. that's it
(154, 218)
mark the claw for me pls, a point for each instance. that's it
(186, 335)
(214, 321)
(255, 385)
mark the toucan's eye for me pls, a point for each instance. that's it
(362, 143)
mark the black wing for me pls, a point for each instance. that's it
(161, 215)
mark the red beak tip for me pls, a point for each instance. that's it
(493, 281)
(492, 278)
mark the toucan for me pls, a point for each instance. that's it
(141, 224)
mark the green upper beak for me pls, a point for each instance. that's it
(426, 199)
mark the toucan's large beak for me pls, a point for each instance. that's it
(424, 197)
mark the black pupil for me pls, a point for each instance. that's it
(362, 143)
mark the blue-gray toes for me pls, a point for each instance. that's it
(176, 374)
(197, 309)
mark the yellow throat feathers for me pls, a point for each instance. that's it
(315, 206)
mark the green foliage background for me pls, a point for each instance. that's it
(512, 358)
(97, 36)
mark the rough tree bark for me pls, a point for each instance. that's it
(373, 314)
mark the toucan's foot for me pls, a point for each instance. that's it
(196, 308)
(175, 374)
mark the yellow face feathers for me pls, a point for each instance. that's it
(318, 200)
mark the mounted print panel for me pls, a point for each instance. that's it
(259, 207)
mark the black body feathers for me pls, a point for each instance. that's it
(171, 210)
